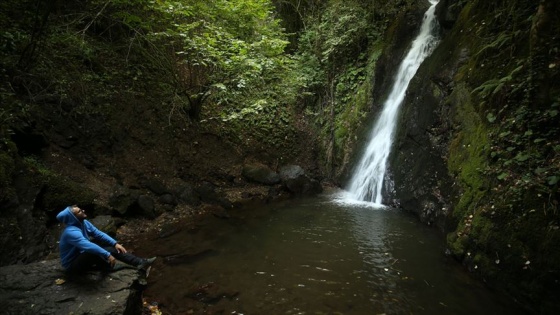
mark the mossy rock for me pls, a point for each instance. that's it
(468, 152)
(59, 192)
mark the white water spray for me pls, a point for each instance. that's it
(367, 181)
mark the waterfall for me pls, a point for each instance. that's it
(367, 180)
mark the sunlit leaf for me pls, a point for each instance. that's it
(522, 157)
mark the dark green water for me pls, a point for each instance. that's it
(313, 256)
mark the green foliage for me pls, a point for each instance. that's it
(494, 86)
(526, 140)
(229, 53)
(336, 60)
(337, 52)
(37, 167)
(336, 38)
(502, 40)
(353, 91)
(207, 59)
(343, 29)
(507, 215)
(260, 123)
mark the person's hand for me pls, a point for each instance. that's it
(112, 261)
(120, 248)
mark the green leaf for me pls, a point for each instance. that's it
(540, 170)
(522, 157)
(491, 118)
(552, 180)
(502, 176)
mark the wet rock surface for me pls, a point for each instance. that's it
(296, 181)
(43, 288)
(418, 164)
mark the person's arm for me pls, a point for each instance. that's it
(77, 239)
(102, 237)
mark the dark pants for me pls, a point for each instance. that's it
(87, 262)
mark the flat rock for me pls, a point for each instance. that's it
(43, 288)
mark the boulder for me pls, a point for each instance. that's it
(208, 194)
(260, 174)
(43, 288)
(156, 186)
(188, 195)
(168, 199)
(105, 223)
(121, 198)
(146, 206)
(288, 172)
(296, 181)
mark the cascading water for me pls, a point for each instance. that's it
(367, 181)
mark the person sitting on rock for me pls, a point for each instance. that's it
(83, 247)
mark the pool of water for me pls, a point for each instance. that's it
(312, 256)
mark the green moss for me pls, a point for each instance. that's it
(467, 152)
(485, 265)
(482, 228)
(474, 238)
(457, 244)
(60, 192)
(502, 155)
(37, 166)
(340, 135)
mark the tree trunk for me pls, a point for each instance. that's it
(541, 41)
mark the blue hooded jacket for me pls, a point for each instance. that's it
(75, 238)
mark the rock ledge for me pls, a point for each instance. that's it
(43, 288)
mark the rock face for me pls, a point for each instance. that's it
(418, 163)
(291, 177)
(422, 183)
(33, 289)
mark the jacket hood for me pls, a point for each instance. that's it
(67, 217)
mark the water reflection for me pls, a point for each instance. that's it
(312, 256)
(373, 236)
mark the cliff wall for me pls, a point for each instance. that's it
(477, 150)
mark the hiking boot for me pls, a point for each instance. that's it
(146, 263)
(118, 266)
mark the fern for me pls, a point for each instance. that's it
(491, 87)
(497, 44)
